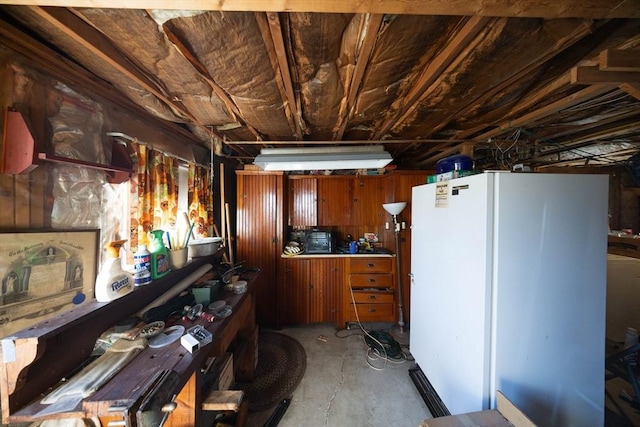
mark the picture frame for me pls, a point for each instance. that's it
(43, 273)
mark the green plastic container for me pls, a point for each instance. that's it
(159, 256)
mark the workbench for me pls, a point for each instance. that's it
(157, 382)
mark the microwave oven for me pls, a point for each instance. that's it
(318, 242)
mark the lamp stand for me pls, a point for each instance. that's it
(399, 331)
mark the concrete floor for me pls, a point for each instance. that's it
(340, 388)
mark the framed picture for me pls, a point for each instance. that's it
(43, 273)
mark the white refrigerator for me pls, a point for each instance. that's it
(508, 293)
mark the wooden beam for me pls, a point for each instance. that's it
(553, 108)
(275, 44)
(620, 60)
(579, 32)
(95, 42)
(588, 75)
(448, 56)
(526, 103)
(369, 35)
(590, 9)
(68, 71)
(632, 89)
(232, 108)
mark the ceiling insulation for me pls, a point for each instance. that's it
(541, 84)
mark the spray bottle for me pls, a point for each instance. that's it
(112, 281)
(159, 256)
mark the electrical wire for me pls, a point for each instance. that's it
(381, 345)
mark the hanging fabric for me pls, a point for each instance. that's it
(200, 201)
(156, 204)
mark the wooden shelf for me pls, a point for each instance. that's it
(19, 154)
(116, 174)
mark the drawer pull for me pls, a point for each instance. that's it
(372, 297)
(370, 265)
(372, 310)
(371, 280)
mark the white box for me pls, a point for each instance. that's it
(190, 343)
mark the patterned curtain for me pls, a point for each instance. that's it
(153, 201)
(200, 201)
(156, 205)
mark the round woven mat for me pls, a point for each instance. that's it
(282, 362)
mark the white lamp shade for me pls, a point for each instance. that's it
(394, 208)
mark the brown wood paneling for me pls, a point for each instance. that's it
(326, 277)
(259, 234)
(368, 197)
(293, 294)
(303, 202)
(335, 199)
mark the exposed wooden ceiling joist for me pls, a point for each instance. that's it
(522, 8)
(448, 55)
(280, 58)
(587, 75)
(620, 60)
(369, 31)
(632, 89)
(569, 101)
(425, 85)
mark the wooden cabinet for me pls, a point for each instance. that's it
(335, 200)
(260, 233)
(326, 282)
(310, 290)
(303, 202)
(293, 291)
(368, 196)
(370, 290)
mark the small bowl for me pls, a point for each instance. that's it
(152, 329)
(240, 287)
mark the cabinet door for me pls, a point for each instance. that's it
(335, 198)
(326, 284)
(303, 202)
(368, 197)
(259, 233)
(293, 292)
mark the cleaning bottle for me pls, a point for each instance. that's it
(112, 281)
(142, 266)
(159, 256)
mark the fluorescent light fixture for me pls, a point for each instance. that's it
(323, 158)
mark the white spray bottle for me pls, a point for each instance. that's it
(112, 281)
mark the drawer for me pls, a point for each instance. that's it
(373, 297)
(371, 280)
(373, 312)
(370, 265)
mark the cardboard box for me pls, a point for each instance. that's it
(506, 415)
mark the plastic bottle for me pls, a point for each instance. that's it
(142, 266)
(159, 256)
(112, 281)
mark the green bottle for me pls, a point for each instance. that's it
(159, 256)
